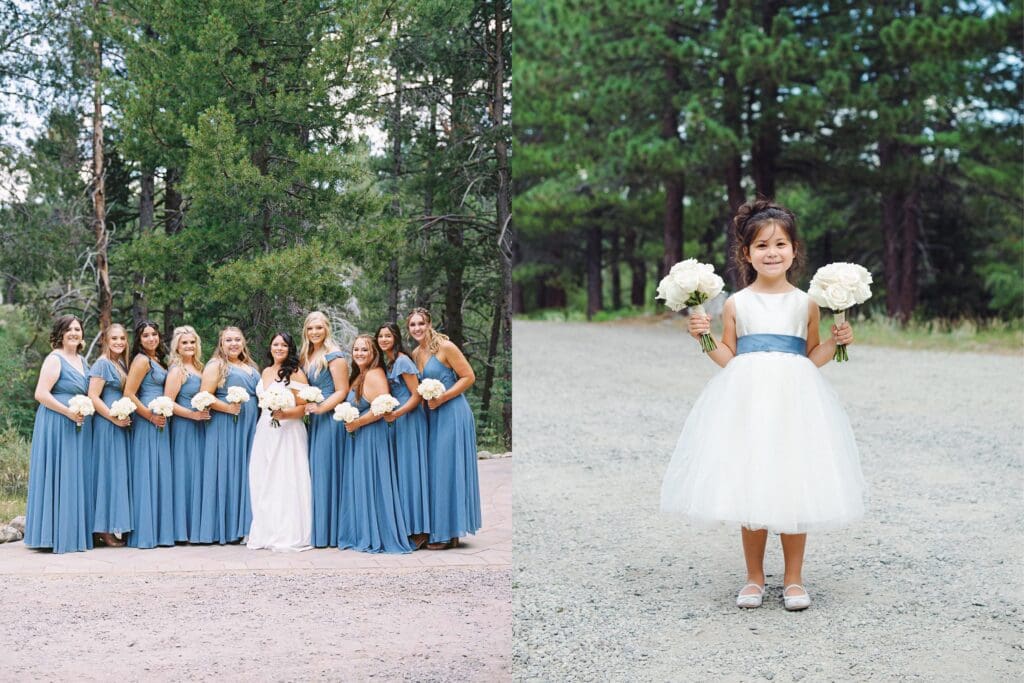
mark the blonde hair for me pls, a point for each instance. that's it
(358, 376)
(120, 360)
(173, 359)
(434, 338)
(307, 355)
(218, 354)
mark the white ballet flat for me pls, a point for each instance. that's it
(795, 603)
(750, 600)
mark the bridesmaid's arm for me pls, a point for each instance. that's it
(48, 376)
(96, 385)
(339, 373)
(375, 384)
(172, 387)
(211, 375)
(412, 382)
(136, 373)
(462, 368)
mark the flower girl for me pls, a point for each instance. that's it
(767, 444)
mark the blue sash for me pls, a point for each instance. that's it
(785, 343)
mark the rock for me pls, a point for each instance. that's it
(19, 523)
(9, 533)
(484, 455)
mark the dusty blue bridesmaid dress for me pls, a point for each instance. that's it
(60, 500)
(371, 518)
(328, 442)
(188, 438)
(451, 457)
(226, 511)
(111, 449)
(409, 440)
(150, 470)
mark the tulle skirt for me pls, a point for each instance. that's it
(767, 445)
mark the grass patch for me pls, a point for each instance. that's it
(14, 454)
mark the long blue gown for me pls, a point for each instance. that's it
(328, 444)
(59, 512)
(451, 457)
(188, 438)
(371, 512)
(409, 440)
(111, 448)
(226, 511)
(150, 470)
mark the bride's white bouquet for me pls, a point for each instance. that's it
(80, 404)
(277, 398)
(839, 287)
(310, 394)
(691, 283)
(346, 412)
(430, 389)
(162, 405)
(122, 408)
(203, 400)
(237, 395)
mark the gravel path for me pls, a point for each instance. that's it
(927, 587)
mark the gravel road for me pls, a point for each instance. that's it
(927, 587)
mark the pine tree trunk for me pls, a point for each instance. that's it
(492, 352)
(909, 232)
(173, 221)
(593, 256)
(105, 299)
(638, 270)
(732, 115)
(675, 186)
(766, 147)
(147, 214)
(506, 237)
(892, 204)
(396, 177)
(614, 269)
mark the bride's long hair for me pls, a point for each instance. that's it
(291, 363)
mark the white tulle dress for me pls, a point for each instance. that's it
(279, 483)
(767, 444)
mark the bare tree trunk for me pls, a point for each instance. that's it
(503, 309)
(910, 231)
(638, 280)
(614, 268)
(99, 201)
(766, 147)
(492, 352)
(140, 310)
(423, 289)
(173, 222)
(391, 278)
(675, 183)
(892, 204)
(732, 114)
(594, 285)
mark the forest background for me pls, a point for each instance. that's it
(243, 162)
(893, 130)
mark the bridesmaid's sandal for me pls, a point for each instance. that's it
(751, 599)
(797, 601)
(419, 540)
(448, 545)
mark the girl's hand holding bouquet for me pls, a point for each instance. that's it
(839, 287)
(689, 284)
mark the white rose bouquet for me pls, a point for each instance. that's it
(430, 389)
(122, 408)
(202, 401)
(237, 395)
(383, 404)
(277, 398)
(310, 394)
(162, 405)
(80, 404)
(346, 412)
(691, 283)
(838, 287)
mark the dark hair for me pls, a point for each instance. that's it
(747, 223)
(291, 362)
(161, 349)
(399, 348)
(60, 328)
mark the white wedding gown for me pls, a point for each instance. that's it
(279, 484)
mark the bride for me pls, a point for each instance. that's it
(279, 485)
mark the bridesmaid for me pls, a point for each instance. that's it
(409, 435)
(371, 512)
(151, 476)
(59, 509)
(324, 364)
(451, 443)
(111, 439)
(188, 435)
(226, 512)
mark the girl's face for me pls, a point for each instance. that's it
(361, 353)
(187, 346)
(771, 252)
(385, 340)
(418, 326)
(72, 336)
(117, 341)
(150, 340)
(231, 344)
(279, 349)
(316, 331)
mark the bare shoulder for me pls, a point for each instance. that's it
(299, 376)
(140, 361)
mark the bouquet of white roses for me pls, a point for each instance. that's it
(122, 408)
(237, 395)
(80, 404)
(277, 398)
(310, 394)
(162, 405)
(202, 401)
(838, 287)
(385, 403)
(346, 412)
(430, 389)
(691, 283)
